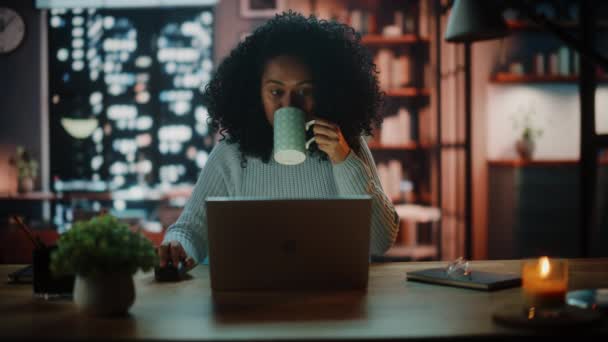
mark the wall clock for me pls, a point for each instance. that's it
(12, 30)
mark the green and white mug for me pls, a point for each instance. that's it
(290, 143)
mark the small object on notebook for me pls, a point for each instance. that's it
(459, 268)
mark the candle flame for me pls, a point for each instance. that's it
(531, 313)
(545, 267)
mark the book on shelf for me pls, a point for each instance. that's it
(355, 20)
(396, 129)
(477, 280)
(428, 77)
(425, 126)
(390, 174)
(400, 71)
(362, 21)
(383, 60)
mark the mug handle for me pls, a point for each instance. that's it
(307, 126)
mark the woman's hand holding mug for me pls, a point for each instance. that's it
(330, 140)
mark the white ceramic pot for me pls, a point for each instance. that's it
(104, 295)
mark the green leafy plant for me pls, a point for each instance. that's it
(528, 132)
(26, 166)
(102, 245)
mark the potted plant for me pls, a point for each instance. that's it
(27, 169)
(103, 253)
(526, 143)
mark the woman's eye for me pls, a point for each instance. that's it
(276, 92)
(305, 92)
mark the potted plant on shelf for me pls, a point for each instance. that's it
(27, 169)
(104, 254)
(526, 143)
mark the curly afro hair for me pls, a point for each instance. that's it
(345, 81)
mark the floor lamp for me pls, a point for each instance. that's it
(471, 21)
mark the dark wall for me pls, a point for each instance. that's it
(20, 84)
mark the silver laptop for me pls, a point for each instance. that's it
(288, 244)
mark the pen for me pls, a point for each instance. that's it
(35, 239)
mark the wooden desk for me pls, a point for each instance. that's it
(391, 309)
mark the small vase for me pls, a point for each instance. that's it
(26, 184)
(109, 294)
(525, 148)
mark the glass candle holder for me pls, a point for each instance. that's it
(544, 283)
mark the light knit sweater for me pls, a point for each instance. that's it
(223, 175)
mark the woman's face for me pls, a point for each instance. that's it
(286, 82)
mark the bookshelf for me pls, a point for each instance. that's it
(535, 54)
(397, 36)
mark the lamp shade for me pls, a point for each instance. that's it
(475, 20)
(79, 128)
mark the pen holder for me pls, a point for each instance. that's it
(45, 284)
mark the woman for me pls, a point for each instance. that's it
(319, 67)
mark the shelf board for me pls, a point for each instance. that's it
(91, 196)
(396, 199)
(513, 79)
(423, 199)
(525, 25)
(407, 92)
(414, 252)
(378, 39)
(399, 147)
(539, 162)
(30, 196)
(412, 146)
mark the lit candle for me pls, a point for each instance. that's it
(545, 282)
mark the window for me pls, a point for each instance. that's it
(126, 109)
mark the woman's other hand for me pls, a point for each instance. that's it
(174, 252)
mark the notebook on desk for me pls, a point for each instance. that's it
(479, 280)
(288, 244)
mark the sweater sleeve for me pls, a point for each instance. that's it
(357, 175)
(190, 229)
